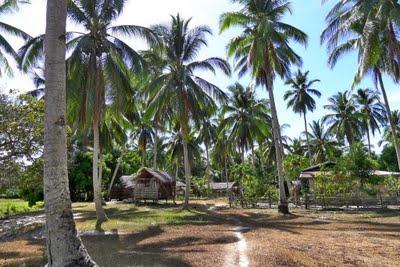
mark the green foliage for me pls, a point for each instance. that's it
(80, 171)
(255, 188)
(31, 186)
(357, 165)
(21, 128)
(80, 175)
(293, 165)
(14, 206)
(388, 160)
(351, 175)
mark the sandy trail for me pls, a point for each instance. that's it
(237, 252)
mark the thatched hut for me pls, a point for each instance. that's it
(154, 184)
(123, 189)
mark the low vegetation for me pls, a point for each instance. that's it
(10, 207)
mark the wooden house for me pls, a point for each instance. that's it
(152, 184)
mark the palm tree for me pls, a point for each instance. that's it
(186, 94)
(321, 141)
(175, 146)
(387, 134)
(245, 118)
(208, 135)
(222, 150)
(64, 247)
(372, 111)
(297, 147)
(263, 48)
(300, 98)
(367, 26)
(6, 49)
(100, 66)
(343, 119)
(142, 130)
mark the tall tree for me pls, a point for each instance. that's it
(64, 247)
(343, 119)
(301, 100)
(369, 28)
(372, 111)
(188, 95)
(100, 66)
(6, 49)
(245, 118)
(208, 135)
(263, 47)
(321, 142)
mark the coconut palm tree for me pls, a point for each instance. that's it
(321, 141)
(373, 114)
(6, 49)
(188, 95)
(175, 145)
(207, 135)
(343, 120)
(100, 66)
(245, 118)
(297, 147)
(263, 48)
(222, 150)
(387, 134)
(300, 98)
(64, 247)
(369, 28)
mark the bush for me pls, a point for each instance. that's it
(31, 186)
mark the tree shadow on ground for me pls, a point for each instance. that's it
(145, 248)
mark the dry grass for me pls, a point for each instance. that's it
(168, 236)
(323, 238)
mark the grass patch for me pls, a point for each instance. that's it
(129, 217)
(10, 207)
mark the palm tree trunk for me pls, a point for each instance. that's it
(64, 247)
(144, 156)
(97, 198)
(155, 147)
(369, 142)
(307, 137)
(283, 204)
(114, 175)
(253, 156)
(391, 123)
(242, 154)
(208, 168)
(187, 172)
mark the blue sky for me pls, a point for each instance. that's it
(308, 15)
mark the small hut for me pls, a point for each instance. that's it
(221, 188)
(124, 189)
(154, 184)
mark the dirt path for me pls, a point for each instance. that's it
(236, 252)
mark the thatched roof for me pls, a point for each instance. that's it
(127, 181)
(222, 186)
(162, 176)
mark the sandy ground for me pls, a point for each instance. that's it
(241, 238)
